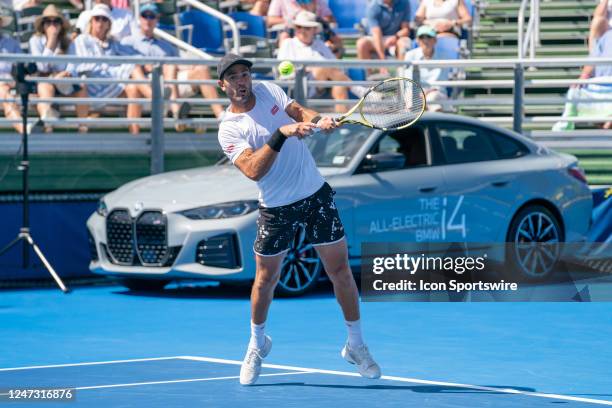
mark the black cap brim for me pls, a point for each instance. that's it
(242, 61)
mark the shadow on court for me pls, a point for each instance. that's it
(225, 291)
(428, 389)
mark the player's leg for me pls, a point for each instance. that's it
(335, 261)
(266, 279)
(276, 227)
(325, 231)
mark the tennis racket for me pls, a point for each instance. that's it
(394, 103)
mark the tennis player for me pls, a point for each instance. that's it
(261, 134)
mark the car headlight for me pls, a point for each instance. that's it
(225, 210)
(102, 210)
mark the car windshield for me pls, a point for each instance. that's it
(337, 148)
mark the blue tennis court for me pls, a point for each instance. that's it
(183, 346)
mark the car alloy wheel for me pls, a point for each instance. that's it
(535, 234)
(301, 267)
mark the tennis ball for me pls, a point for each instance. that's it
(285, 68)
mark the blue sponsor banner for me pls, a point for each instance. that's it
(58, 228)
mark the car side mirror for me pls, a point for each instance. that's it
(383, 161)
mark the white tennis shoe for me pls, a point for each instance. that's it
(360, 356)
(251, 366)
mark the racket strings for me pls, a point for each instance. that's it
(393, 104)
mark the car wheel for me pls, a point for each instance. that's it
(144, 284)
(535, 235)
(301, 267)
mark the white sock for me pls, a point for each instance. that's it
(355, 338)
(257, 335)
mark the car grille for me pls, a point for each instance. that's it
(120, 237)
(151, 238)
(220, 251)
(138, 242)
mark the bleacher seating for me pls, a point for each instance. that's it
(207, 32)
(349, 15)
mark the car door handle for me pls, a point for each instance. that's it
(427, 189)
(500, 183)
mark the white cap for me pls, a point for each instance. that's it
(306, 19)
(100, 10)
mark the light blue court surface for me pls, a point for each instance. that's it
(182, 347)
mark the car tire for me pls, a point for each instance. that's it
(148, 285)
(300, 269)
(528, 259)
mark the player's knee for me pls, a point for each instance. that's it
(339, 272)
(266, 280)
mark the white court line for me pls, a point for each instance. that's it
(414, 380)
(303, 370)
(233, 377)
(135, 360)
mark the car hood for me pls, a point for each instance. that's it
(185, 189)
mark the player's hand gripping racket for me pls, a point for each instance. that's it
(394, 103)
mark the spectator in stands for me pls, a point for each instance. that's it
(146, 44)
(257, 7)
(601, 49)
(305, 46)
(601, 22)
(122, 4)
(51, 38)
(19, 5)
(8, 46)
(388, 23)
(123, 20)
(97, 42)
(445, 16)
(426, 38)
(283, 12)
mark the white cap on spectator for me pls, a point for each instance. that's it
(100, 10)
(306, 19)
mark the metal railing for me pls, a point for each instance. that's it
(301, 83)
(531, 38)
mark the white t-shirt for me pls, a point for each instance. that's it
(427, 75)
(123, 24)
(294, 174)
(294, 49)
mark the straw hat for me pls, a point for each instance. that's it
(50, 12)
(306, 19)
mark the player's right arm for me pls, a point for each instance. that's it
(255, 164)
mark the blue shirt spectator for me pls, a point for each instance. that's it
(8, 46)
(150, 46)
(388, 17)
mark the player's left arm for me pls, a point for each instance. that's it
(300, 113)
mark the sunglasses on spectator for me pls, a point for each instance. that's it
(100, 18)
(54, 21)
(149, 16)
(422, 37)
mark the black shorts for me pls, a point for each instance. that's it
(277, 226)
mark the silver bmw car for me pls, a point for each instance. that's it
(447, 178)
